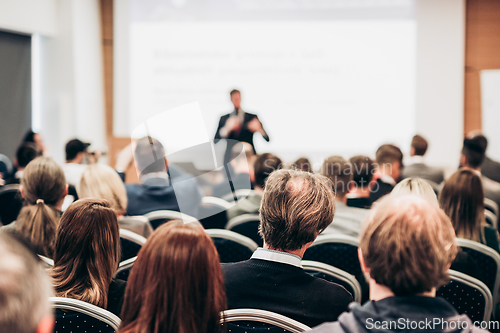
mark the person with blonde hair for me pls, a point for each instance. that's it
(44, 188)
(406, 247)
(103, 182)
(87, 253)
(416, 186)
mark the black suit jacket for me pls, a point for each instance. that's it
(284, 289)
(243, 136)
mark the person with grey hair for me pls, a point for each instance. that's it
(296, 207)
(25, 289)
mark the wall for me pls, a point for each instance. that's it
(440, 92)
(67, 65)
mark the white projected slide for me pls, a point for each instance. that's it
(319, 87)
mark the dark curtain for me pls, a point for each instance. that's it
(15, 90)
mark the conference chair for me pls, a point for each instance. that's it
(49, 263)
(231, 246)
(130, 243)
(137, 224)
(491, 219)
(240, 194)
(124, 268)
(81, 317)
(488, 263)
(491, 206)
(213, 212)
(254, 320)
(468, 296)
(246, 225)
(11, 203)
(160, 217)
(332, 274)
(339, 251)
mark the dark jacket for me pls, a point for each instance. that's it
(284, 289)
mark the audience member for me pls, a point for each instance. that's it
(26, 152)
(407, 245)
(43, 187)
(240, 171)
(347, 220)
(473, 154)
(416, 186)
(417, 167)
(176, 283)
(163, 186)
(462, 200)
(489, 167)
(35, 138)
(25, 289)
(263, 166)
(420, 187)
(303, 164)
(389, 164)
(363, 169)
(296, 207)
(103, 182)
(87, 253)
(76, 155)
(6, 169)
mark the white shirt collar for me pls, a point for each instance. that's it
(387, 179)
(277, 256)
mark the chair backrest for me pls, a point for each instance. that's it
(468, 296)
(488, 263)
(491, 206)
(231, 246)
(160, 217)
(246, 225)
(339, 251)
(124, 268)
(333, 274)
(491, 219)
(78, 317)
(11, 203)
(49, 263)
(212, 212)
(138, 224)
(240, 194)
(254, 320)
(131, 243)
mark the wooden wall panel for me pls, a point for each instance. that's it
(482, 51)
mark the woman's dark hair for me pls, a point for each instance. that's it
(176, 284)
(87, 251)
(462, 199)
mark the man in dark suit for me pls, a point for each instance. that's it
(389, 164)
(296, 207)
(238, 126)
(418, 168)
(489, 168)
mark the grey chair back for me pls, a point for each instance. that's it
(254, 320)
(232, 247)
(468, 296)
(491, 206)
(137, 224)
(246, 225)
(78, 317)
(131, 243)
(124, 268)
(333, 274)
(488, 263)
(160, 217)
